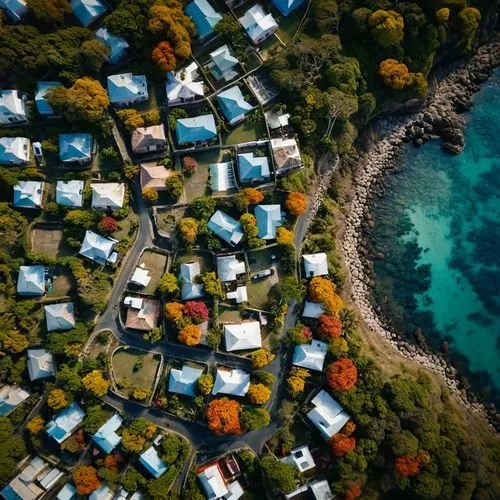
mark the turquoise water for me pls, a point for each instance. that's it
(439, 230)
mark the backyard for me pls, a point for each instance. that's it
(258, 288)
(245, 132)
(155, 263)
(49, 241)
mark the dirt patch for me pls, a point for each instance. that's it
(155, 263)
(49, 242)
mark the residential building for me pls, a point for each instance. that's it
(108, 195)
(212, 481)
(149, 139)
(184, 381)
(196, 130)
(287, 6)
(268, 218)
(225, 227)
(28, 194)
(98, 248)
(70, 193)
(183, 86)
(65, 422)
(125, 89)
(12, 107)
(88, 11)
(31, 280)
(40, 364)
(142, 314)
(106, 437)
(301, 458)
(75, 148)
(60, 316)
(117, 45)
(315, 264)
(235, 491)
(242, 336)
(152, 462)
(102, 493)
(223, 65)
(233, 105)
(15, 9)
(321, 489)
(229, 267)
(140, 277)
(67, 492)
(257, 24)
(239, 295)
(327, 415)
(222, 176)
(277, 119)
(190, 289)
(234, 382)
(14, 150)
(253, 169)
(312, 310)
(154, 176)
(42, 105)
(204, 17)
(10, 398)
(286, 154)
(311, 356)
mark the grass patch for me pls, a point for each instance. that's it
(62, 284)
(245, 132)
(259, 288)
(155, 263)
(127, 226)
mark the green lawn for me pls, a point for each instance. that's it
(245, 132)
(155, 263)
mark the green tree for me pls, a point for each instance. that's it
(93, 53)
(49, 11)
(212, 285)
(387, 27)
(469, 19)
(96, 417)
(281, 475)
(202, 208)
(254, 418)
(168, 284)
(174, 186)
(81, 218)
(69, 377)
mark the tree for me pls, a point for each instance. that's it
(140, 393)
(49, 11)
(75, 443)
(168, 284)
(299, 334)
(342, 374)
(36, 425)
(284, 236)
(173, 448)
(95, 419)
(223, 416)
(132, 479)
(406, 466)
(249, 226)
(174, 185)
(107, 225)
(258, 394)
(386, 27)
(189, 166)
(261, 357)
(341, 445)
(338, 347)
(296, 203)
(190, 335)
(212, 285)
(202, 208)
(254, 418)
(196, 310)
(86, 479)
(130, 118)
(57, 399)
(95, 383)
(173, 312)
(254, 196)
(295, 383)
(395, 74)
(205, 384)
(326, 14)
(15, 342)
(443, 15)
(426, 485)
(93, 53)
(323, 290)
(265, 378)
(469, 19)
(353, 492)
(282, 475)
(150, 195)
(163, 56)
(329, 327)
(81, 218)
(134, 438)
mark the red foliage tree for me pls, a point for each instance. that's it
(163, 56)
(189, 165)
(329, 327)
(195, 310)
(223, 416)
(112, 461)
(353, 492)
(108, 224)
(341, 445)
(86, 479)
(342, 375)
(406, 466)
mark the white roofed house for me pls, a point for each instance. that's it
(10, 398)
(98, 248)
(268, 218)
(60, 316)
(106, 437)
(14, 150)
(301, 458)
(277, 119)
(242, 336)
(234, 382)
(188, 271)
(183, 86)
(213, 482)
(257, 24)
(286, 155)
(229, 268)
(311, 356)
(140, 277)
(28, 194)
(222, 176)
(327, 415)
(31, 280)
(65, 422)
(40, 364)
(70, 193)
(223, 65)
(109, 195)
(184, 381)
(315, 264)
(12, 107)
(126, 89)
(321, 489)
(149, 139)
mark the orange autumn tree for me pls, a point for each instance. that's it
(329, 327)
(342, 374)
(223, 416)
(341, 445)
(190, 335)
(353, 492)
(173, 312)
(86, 479)
(163, 56)
(406, 465)
(323, 290)
(254, 196)
(296, 203)
(348, 428)
(258, 394)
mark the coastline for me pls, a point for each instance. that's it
(439, 117)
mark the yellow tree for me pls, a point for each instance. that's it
(387, 27)
(258, 394)
(323, 291)
(188, 229)
(173, 312)
(36, 425)
(296, 203)
(95, 383)
(284, 236)
(261, 357)
(205, 384)
(15, 342)
(150, 195)
(57, 399)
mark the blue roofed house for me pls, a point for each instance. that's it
(60, 316)
(253, 169)
(287, 6)
(116, 44)
(88, 11)
(28, 194)
(225, 227)
(67, 492)
(152, 462)
(268, 217)
(233, 104)
(204, 17)
(126, 88)
(15, 9)
(31, 280)
(196, 130)
(75, 148)
(102, 493)
(10, 398)
(65, 422)
(12, 107)
(40, 364)
(223, 65)
(14, 150)
(184, 381)
(258, 24)
(70, 193)
(42, 105)
(106, 437)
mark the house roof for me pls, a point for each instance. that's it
(70, 193)
(15, 9)
(235, 491)
(98, 248)
(240, 295)
(241, 336)
(31, 280)
(154, 176)
(42, 105)
(184, 381)
(40, 364)
(287, 6)
(277, 118)
(312, 310)
(67, 492)
(87, 11)
(187, 274)
(213, 483)
(75, 147)
(23, 486)
(223, 61)
(14, 150)
(204, 17)
(145, 137)
(311, 355)
(65, 422)
(106, 437)
(10, 398)
(327, 415)
(225, 227)
(315, 264)
(286, 153)
(127, 87)
(300, 457)
(233, 103)
(252, 167)
(256, 22)
(117, 45)
(60, 316)
(321, 489)
(222, 176)
(140, 277)
(28, 194)
(183, 84)
(107, 194)
(102, 493)
(234, 382)
(12, 104)
(229, 267)
(49, 477)
(268, 219)
(152, 462)
(145, 318)
(197, 128)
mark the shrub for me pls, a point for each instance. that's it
(205, 384)
(130, 118)
(168, 284)
(284, 236)
(108, 225)
(329, 327)
(254, 418)
(86, 479)
(57, 399)
(261, 357)
(174, 186)
(189, 166)
(188, 229)
(254, 196)
(341, 445)
(150, 195)
(195, 310)
(299, 334)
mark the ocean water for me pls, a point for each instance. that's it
(439, 230)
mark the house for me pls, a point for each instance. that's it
(125, 89)
(15, 9)
(188, 271)
(242, 336)
(42, 105)
(75, 148)
(312, 310)
(235, 491)
(65, 422)
(31, 280)
(301, 458)
(102, 493)
(142, 314)
(196, 130)
(40, 364)
(229, 267)
(235, 382)
(287, 6)
(154, 177)
(204, 17)
(149, 139)
(183, 86)
(253, 169)
(321, 489)
(184, 381)
(257, 24)
(286, 154)
(28, 194)
(268, 218)
(14, 150)
(109, 195)
(311, 356)
(213, 482)
(223, 65)
(152, 462)
(70, 193)
(315, 264)
(106, 437)
(240, 295)
(10, 398)
(225, 227)
(222, 176)
(277, 119)
(233, 104)
(12, 107)
(327, 415)
(60, 316)
(117, 45)
(88, 11)
(140, 277)
(98, 248)
(68, 492)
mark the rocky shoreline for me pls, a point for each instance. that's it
(440, 117)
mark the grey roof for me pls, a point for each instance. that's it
(327, 415)
(31, 280)
(190, 289)
(28, 194)
(184, 381)
(60, 316)
(229, 267)
(268, 219)
(97, 248)
(227, 381)
(40, 364)
(225, 227)
(311, 355)
(70, 193)
(315, 264)
(108, 194)
(241, 336)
